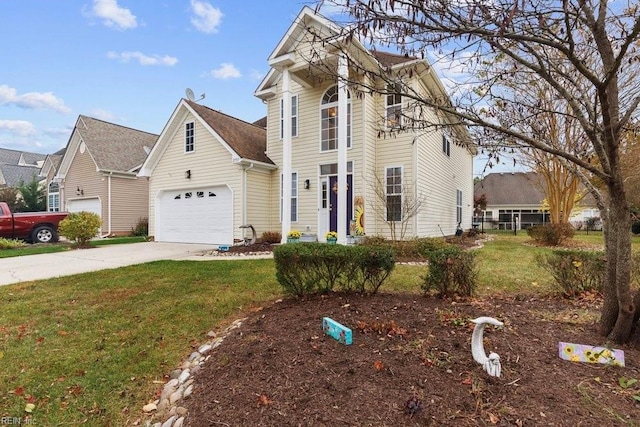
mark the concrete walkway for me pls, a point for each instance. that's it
(46, 266)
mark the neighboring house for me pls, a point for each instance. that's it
(515, 200)
(19, 166)
(98, 173)
(48, 173)
(208, 175)
(327, 138)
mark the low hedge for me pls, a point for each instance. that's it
(575, 271)
(306, 268)
(452, 271)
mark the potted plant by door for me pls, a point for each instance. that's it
(293, 236)
(332, 237)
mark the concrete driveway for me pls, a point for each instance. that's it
(46, 266)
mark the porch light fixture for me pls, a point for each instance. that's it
(187, 174)
(307, 184)
(79, 191)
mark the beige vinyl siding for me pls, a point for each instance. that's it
(258, 213)
(83, 174)
(441, 176)
(210, 164)
(306, 151)
(129, 203)
(394, 149)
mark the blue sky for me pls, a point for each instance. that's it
(129, 62)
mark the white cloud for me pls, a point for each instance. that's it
(226, 71)
(113, 15)
(17, 127)
(32, 100)
(206, 17)
(144, 59)
(101, 114)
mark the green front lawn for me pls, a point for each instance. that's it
(47, 248)
(95, 347)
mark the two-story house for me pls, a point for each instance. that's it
(332, 157)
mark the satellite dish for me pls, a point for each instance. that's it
(190, 95)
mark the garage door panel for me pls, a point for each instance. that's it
(199, 215)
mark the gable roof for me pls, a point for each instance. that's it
(24, 158)
(248, 140)
(511, 188)
(113, 148)
(244, 141)
(11, 175)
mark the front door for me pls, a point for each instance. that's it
(333, 202)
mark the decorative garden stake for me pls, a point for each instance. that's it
(491, 364)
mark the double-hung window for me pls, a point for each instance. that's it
(329, 120)
(393, 190)
(393, 106)
(189, 137)
(458, 206)
(294, 116)
(294, 196)
(446, 145)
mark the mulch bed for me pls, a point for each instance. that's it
(410, 365)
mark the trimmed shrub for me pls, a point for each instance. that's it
(80, 227)
(414, 248)
(452, 271)
(271, 237)
(307, 268)
(141, 228)
(551, 234)
(575, 271)
(11, 243)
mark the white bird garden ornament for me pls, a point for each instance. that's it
(490, 363)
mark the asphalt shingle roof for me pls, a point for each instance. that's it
(511, 188)
(390, 59)
(114, 147)
(248, 140)
(13, 174)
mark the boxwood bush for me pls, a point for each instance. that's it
(307, 268)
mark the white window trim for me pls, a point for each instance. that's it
(294, 117)
(387, 106)
(446, 145)
(294, 187)
(386, 194)
(349, 120)
(53, 195)
(193, 137)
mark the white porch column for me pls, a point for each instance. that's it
(343, 75)
(286, 154)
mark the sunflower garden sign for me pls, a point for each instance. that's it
(590, 354)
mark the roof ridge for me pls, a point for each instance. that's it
(115, 124)
(226, 114)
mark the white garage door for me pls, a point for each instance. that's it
(88, 205)
(198, 215)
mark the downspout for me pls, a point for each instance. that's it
(244, 193)
(108, 206)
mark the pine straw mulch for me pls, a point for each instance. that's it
(410, 365)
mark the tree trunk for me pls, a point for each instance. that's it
(618, 269)
(610, 305)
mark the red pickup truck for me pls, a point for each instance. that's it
(35, 227)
